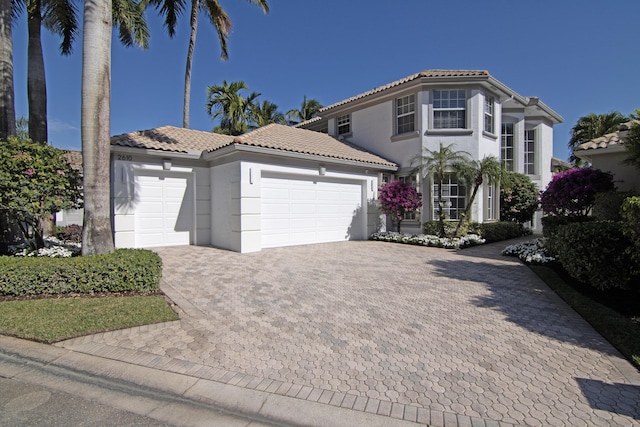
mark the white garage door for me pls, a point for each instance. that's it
(164, 209)
(298, 211)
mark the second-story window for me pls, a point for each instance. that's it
(506, 149)
(449, 109)
(344, 124)
(488, 114)
(530, 152)
(405, 114)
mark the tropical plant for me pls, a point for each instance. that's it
(473, 174)
(572, 193)
(593, 126)
(225, 102)
(308, 110)
(22, 128)
(438, 163)
(7, 104)
(35, 181)
(632, 144)
(171, 9)
(397, 198)
(519, 197)
(97, 235)
(264, 114)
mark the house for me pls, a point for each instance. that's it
(468, 108)
(608, 154)
(274, 186)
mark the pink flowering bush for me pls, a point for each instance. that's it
(572, 193)
(397, 198)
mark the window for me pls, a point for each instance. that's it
(506, 149)
(488, 114)
(406, 114)
(454, 197)
(530, 152)
(344, 124)
(491, 207)
(413, 180)
(449, 109)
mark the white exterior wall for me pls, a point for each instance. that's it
(225, 206)
(611, 159)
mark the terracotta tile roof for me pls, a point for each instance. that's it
(74, 157)
(277, 137)
(435, 74)
(304, 141)
(170, 138)
(610, 139)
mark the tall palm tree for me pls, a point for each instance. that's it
(172, 9)
(234, 110)
(593, 126)
(439, 163)
(97, 236)
(308, 110)
(7, 104)
(473, 175)
(266, 113)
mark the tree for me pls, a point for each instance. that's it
(572, 193)
(519, 197)
(36, 181)
(308, 110)
(266, 113)
(593, 126)
(171, 9)
(7, 104)
(397, 198)
(234, 110)
(632, 144)
(473, 175)
(438, 163)
(22, 128)
(97, 235)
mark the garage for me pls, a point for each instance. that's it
(299, 210)
(164, 214)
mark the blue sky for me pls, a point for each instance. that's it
(578, 56)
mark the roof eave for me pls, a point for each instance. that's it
(190, 154)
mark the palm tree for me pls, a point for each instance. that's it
(593, 126)
(473, 175)
(234, 110)
(97, 236)
(308, 110)
(7, 105)
(266, 113)
(438, 163)
(171, 9)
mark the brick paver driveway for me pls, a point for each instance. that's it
(429, 335)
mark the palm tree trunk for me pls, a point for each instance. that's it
(36, 82)
(440, 212)
(7, 103)
(467, 209)
(97, 233)
(195, 8)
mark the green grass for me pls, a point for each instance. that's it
(51, 320)
(619, 330)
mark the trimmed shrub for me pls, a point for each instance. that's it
(607, 205)
(432, 228)
(550, 224)
(124, 270)
(503, 230)
(595, 253)
(631, 227)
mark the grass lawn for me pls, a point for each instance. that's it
(49, 320)
(623, 331)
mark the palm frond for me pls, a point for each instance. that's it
(128, 17)
(61, 18)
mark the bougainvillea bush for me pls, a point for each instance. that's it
(572, 193)
(397, 198)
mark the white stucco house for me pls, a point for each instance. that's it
(608, 154)
(275, 186)
(468, 108)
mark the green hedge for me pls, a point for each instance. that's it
(551, 223)
(124, 270)
(595, 253)
(503, 230)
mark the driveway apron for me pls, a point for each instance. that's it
(435, 336)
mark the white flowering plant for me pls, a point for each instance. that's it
(531, 252)
(53, 248)
(429, 240)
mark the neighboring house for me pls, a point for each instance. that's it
(558, 165)
(470, 109)
(608, 153)
(274, 186)
(71, 216)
